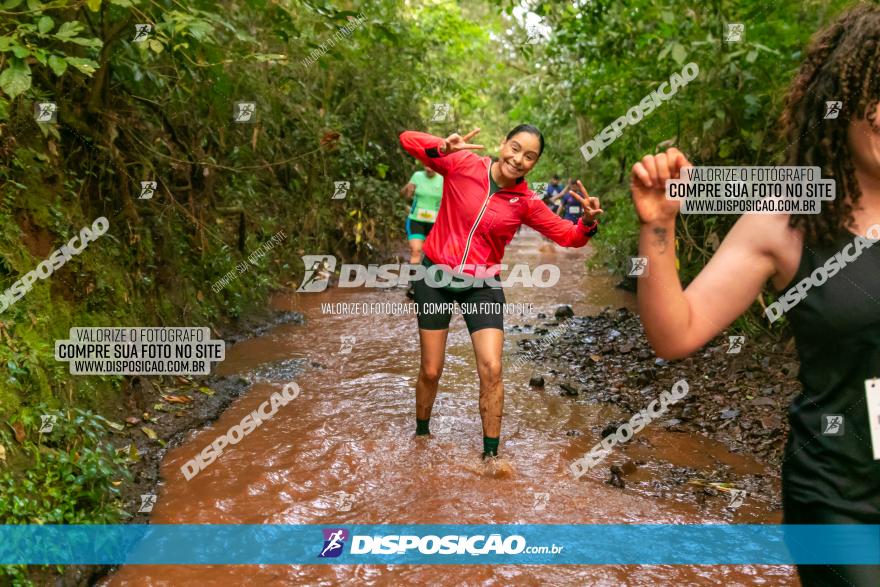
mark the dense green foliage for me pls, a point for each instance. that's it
(162, 110)
(67, 474)
(330, 102)
(72, 475)
(600, 58)
(333, 83)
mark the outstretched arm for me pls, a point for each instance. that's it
(439, 154)
(677, 322)
(564, 232)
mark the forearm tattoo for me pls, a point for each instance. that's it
(660, 238)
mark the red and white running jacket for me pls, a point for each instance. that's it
(472, 227)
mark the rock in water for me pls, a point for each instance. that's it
(569, 389)
(536, 381)
(616, 477)
(611, 428)
(563, 312)
(629, 468)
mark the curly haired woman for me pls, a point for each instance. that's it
(826, 479)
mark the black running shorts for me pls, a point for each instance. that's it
(482, 307)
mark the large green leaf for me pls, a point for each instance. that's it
(45, 24)
(58, 64)
(15, 79)
(69, 30)
(93, 42)
(678, 53)
(86, 66)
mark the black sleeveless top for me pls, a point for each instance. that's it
(837, 331)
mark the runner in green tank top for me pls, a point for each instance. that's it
(426, 190)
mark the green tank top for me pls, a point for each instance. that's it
(426, 200)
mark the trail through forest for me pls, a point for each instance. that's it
(343, 451)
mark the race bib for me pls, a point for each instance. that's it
(426, 215)
(574, 209)
(872, 394)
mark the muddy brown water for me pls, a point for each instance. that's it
(344, 451)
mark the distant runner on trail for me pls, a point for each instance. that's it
(485, 201)
(569, 207)
(831, 467)
(553, 189)
(426, 190)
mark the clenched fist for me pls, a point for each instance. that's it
(648, 185)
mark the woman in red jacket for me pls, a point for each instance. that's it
(485, 201)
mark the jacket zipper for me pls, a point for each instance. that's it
(467, 245)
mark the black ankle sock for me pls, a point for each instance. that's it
(422, 427)
(490, 447)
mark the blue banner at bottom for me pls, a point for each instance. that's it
(708, 544)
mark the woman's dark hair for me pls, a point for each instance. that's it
(529, 129)
(842, 64)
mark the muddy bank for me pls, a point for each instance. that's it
(159, 411)
(155, 414)
(737, 398)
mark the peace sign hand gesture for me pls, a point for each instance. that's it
(456, 142)
(589, 204)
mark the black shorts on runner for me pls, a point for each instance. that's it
(483, 306)
(416, 229)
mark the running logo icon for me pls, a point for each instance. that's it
(541, 501)
(832, 109)
(318, 271)
(334, 542)
(540, 189)
(245, 111)
(638, 266)
(737, 497)
(347, 341)
(441, 112)
(533, 33)
(46, 112)
(344, 501)
(148, 500)
(735, 32)
(47, 423)
(148, 188)
(735, 344)
(832, 425)
(340, 189)
(141, 32)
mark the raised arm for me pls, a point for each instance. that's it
(562, 193)
(439, 154)
(678, 322)
(564, 232)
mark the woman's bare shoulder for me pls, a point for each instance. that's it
(771, 235)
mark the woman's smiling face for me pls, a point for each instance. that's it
(518, 155)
